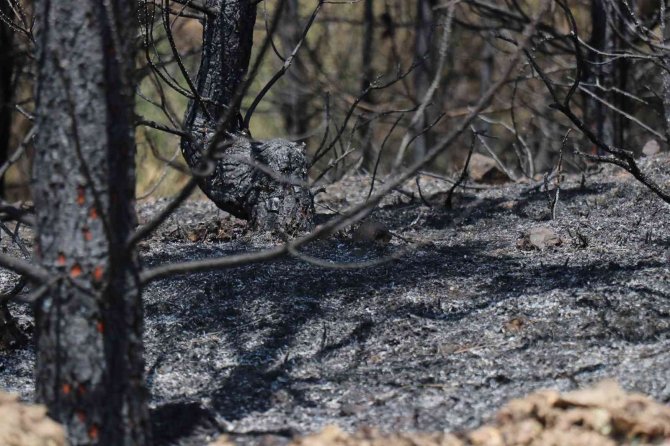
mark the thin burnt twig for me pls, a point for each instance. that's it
(463, 175)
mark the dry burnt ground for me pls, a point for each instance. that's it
(437, 340)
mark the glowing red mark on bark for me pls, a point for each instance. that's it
(98, 273)
(81, 195)
(93, 432)
(75, 271)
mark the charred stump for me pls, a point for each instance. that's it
(10, 334)
(263, 182)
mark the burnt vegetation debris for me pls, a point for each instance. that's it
(434, 340)
(257, 217)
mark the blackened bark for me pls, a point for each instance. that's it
(665, 75)
(624, 22)
(236, 185)
(486, 70)
(423, 73)
(368, 40)
(6, 87)
(89, 327)
(10, 334)
(365, 129)
(294, 100)
(226, 51)
(601, 74)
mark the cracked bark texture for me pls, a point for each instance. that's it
(665, 75)
(236, 184)
(90, 369)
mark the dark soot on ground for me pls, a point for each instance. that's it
(437, 340)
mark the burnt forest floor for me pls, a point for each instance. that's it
(436, 340)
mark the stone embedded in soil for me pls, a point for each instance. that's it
(651, 148)
(372, 232)
(484, 169)
(539, 237)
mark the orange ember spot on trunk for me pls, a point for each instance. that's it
(66, 389)
(88, 236)
(93, 432)
(61, 259)
(100, 327)
(93, 214)
(98, 273)
(75, 271)
(81, 195)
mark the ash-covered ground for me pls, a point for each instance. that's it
(437, 340)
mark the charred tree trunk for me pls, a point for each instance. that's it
(666, 68)
(601, 71)
(236, 184)
(294, 100)
(486, 69)
(10, 335)
(6, 87)
(365, 129)
(624, 22)
(424, 29)
(90, 369)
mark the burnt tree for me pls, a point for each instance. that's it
(606, 74)
(365, 129)
(89, 324)
(9, 332)
(294, 100)
(260, 181)
(424, 72)
(6, 85)
(665, 69)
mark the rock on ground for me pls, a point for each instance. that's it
(27, 425)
